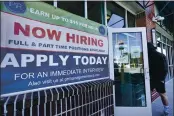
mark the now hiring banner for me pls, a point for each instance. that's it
(44, 47)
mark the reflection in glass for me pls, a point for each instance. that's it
(71, 6)
(128, 69)
(98, 7)
(115, 15)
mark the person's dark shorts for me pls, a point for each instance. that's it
(158, 85)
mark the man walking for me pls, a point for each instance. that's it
(158, 69)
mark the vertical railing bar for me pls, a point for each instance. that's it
(45, 103)
(63, 92)
(15, 105)
(57, 93)
(31, 104)
(70, 106)
(85, 99)
(51, 94)
(73, 90)
(66, 105)
(79, 97)
(61, 107)
(50, 108)
(93, 97)
(38, 103)
(51, 102)
(5, 106)
(97, 96)
(57, 99)
(68, 91)
(105, 98)
(23, 105)
(108, 97)
(76, 88)
(78, 105)
(56, 107)
(89, 98)
(66, 100)
(75, 104)
(75, 99)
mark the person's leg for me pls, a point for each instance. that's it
(162, 92)
(164, 99)
(165, 102)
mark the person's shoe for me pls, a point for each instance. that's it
(166, 110)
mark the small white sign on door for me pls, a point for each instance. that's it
(135, 51)
(121, 54)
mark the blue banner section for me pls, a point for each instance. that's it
(23, 70)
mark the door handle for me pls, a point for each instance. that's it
(146, 71)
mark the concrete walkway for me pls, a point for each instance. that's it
(157, 107)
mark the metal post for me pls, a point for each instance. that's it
(154, 37)
(86, 9)
(126, 21)
(105, 13)
(55, 3)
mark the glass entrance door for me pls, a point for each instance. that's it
(129, 70)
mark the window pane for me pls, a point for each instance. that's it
(128, 70)
(159, 45)
(96, 11)
(169, 54)
(115, 15)
(171, 42)
(168, 41)
(163, 39)
(75, 7)
(158, 36)
(164, 49)
(49, 2)
(131, 19)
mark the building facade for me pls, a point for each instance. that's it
(123, 14)
(95, 98)
(117, 14)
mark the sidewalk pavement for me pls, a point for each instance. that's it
(157, 107)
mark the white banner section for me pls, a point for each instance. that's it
(22, 33)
